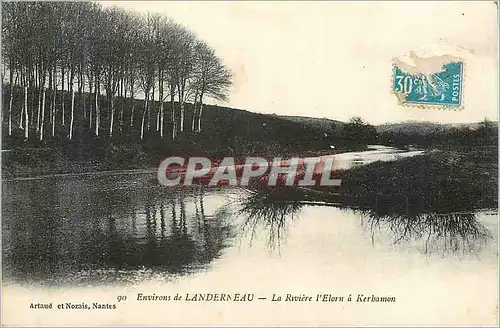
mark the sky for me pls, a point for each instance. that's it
(334, 59)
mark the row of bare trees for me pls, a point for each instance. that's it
(108, 57)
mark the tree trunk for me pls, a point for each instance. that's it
(112, 118)
(10, 108)
(33, 97)
(90, 105)
(81, 92)
(42, 118)
(11, 98)
(158, 120)
(122, 113)
(181, 101)
(108, 94)
(23, 82)
(42, 86)
(160, 98)
(199, 117)
(49, 87)
(195, 104)
(72, 114)
(122, 103)
(162, 119)
(150, 107)
(72, 92)
(62, 97)
(22, 109)
(144, 114)
(172, 103)
(200, 112)
(82, 99)
(26, 133)
(97, 109)
(132, 102)
(53, 106)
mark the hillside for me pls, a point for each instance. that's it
(223, 129)
(422, 127)
(224, 132)
(242, 130)
(324, 125)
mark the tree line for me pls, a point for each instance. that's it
(484, 135)
(107, 57)
(357, 132)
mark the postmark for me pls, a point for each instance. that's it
(429, 82)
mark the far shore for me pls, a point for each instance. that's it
(84, 169)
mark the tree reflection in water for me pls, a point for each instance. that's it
(448, 232)
(102, 231)
(271, 210)
(171, 238)
(406, 219)
(108, 230)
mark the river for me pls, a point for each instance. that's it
(127, 233)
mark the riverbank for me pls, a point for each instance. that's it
(441, 181)
(38, 162)
(435, 182)
(33, 163)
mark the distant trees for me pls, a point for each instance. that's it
(428, 135)
(359, 132)
(52, 50)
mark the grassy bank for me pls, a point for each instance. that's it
(224, 132)
(441, 181)
(436, 182)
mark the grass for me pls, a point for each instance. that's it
(224, 132)
(436, 182)
(432, 198)
(441, 181)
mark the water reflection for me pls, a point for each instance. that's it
(124, 229)
(101, 230)
(446, 233)
(455, 228)
(269, 211)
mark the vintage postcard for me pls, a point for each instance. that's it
(252, 164)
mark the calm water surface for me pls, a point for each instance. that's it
(125, 228)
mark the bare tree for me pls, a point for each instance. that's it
(183, 68)
(211, 78)
(147, 63)
(49, 46)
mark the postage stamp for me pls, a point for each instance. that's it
(431, 82)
